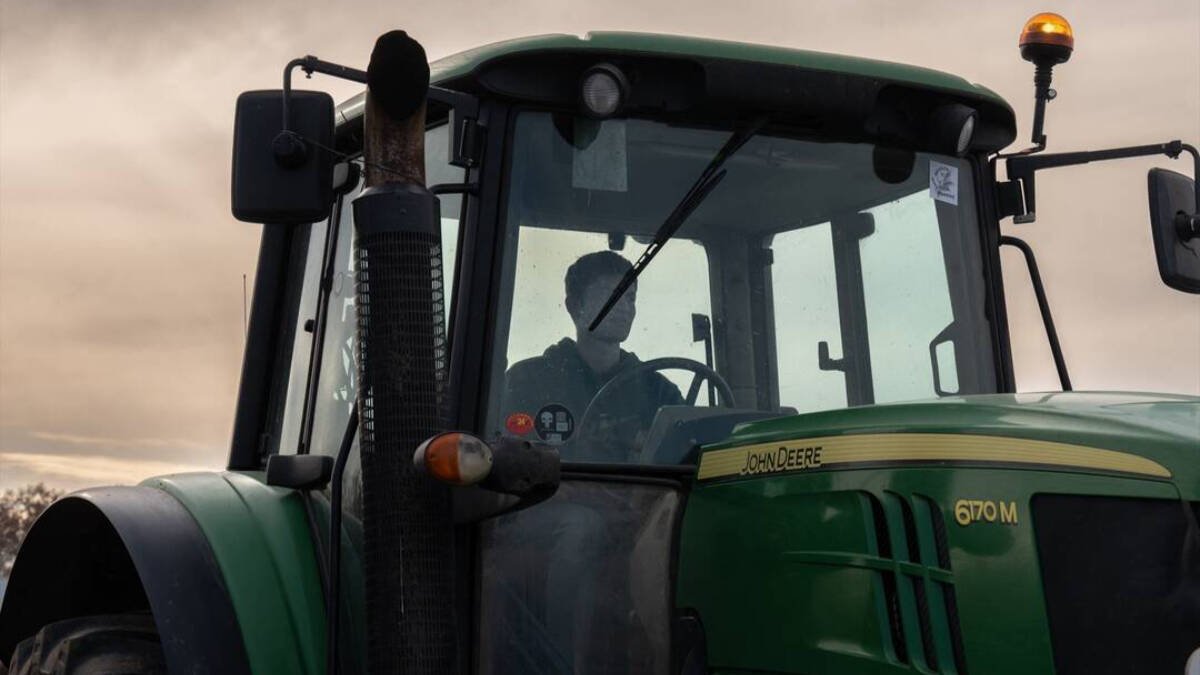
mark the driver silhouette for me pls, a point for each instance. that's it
(556, 388)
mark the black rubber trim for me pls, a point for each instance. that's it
(121, 549)
(268, 345)
(624, 480)
(673, 471)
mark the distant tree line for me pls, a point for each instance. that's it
(19, 507)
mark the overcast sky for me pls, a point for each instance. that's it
(121, 269)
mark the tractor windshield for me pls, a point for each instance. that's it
(815, 275)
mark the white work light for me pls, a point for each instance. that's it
(965, 136)
(952, 128)
(604, 90)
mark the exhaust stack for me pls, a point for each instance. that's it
(409, 555)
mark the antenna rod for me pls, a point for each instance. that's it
(245, 310)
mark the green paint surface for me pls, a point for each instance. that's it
(260, 538)
(461, 64)
(1161, 427)
(787, 573)
(786, 576)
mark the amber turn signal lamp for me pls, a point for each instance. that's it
(1047, 37)
(455, 458)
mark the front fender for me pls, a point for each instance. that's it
(225, 563)
(118, 550)
(261, 540)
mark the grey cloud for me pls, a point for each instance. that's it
(120, 266)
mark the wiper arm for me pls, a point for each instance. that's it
(709, 179)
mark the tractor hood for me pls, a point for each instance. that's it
(1161, 428)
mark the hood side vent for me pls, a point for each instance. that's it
(942, 606)
(887, 579)
(910, 531)
(914, 602)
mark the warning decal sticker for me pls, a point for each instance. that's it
(519, 424)
(554, 423)
(943, 182)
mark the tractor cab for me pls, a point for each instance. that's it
(659, 248)
(642, 248)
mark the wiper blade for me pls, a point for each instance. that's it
(712, 175)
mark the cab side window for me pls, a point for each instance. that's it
(881, 306)
(335, 368)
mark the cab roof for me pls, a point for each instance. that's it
(461, 65)
(856, 80)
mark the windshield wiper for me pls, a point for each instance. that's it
(709, 179)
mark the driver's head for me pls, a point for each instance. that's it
(589, 282)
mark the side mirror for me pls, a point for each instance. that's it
(283, 177)
(1176, 228)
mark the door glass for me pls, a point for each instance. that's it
(907, 278)
(336, 388)
(289, 431)
(803, 279)
(907, 296)
(580, 583)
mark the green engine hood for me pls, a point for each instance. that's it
(1163, 428)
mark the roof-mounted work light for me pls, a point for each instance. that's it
(952, 128)
(604, 90)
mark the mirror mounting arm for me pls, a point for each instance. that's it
(290, 149)
(311, 64)
(1187, 225)
(1021, 169)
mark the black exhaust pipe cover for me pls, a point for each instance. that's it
(407, 519)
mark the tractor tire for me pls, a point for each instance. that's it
(116, 644)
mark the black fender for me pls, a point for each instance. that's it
(126, 549)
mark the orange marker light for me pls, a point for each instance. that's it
(1047, 34)
(455, 458)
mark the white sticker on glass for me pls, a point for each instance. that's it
(943, 182)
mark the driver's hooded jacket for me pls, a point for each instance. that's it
(556, 389)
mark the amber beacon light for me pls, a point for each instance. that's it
(1047, 37)
(1047, 40)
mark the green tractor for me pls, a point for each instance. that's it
(643, 354)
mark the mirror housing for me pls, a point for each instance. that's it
(1174, 222)
(280, 177)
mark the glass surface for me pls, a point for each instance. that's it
(580, 583)
(289, 429)
(336, 388)
(874, 253)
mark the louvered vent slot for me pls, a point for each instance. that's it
(883, 545)
(960, 660)
(939, 613)
(922, 598)
(939, 532)
(910, 530)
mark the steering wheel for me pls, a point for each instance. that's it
(700, 371)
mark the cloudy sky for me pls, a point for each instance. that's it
(121, 269)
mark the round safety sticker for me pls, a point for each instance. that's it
(554, 423)
(519, 424)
